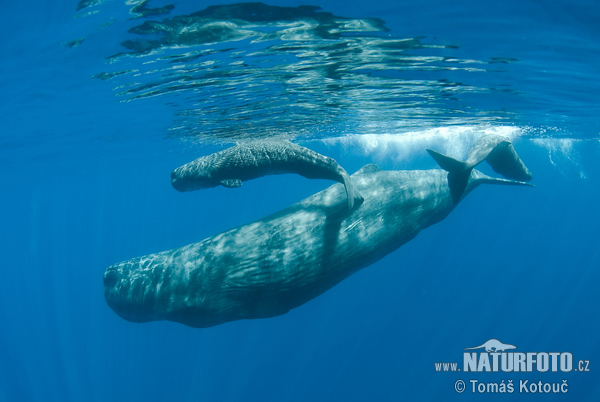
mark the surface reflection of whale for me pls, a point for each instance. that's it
(265, 268)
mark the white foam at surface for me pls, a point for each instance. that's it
(454, 141)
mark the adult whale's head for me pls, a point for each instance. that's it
(128, 291)
(113, 278)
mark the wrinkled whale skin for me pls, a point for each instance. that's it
(232, 166)
(267, 267)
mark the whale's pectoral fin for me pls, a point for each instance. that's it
(231, 183)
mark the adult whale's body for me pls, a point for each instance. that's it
(265, 268)
(232, 166)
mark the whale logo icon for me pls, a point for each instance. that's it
(494, 345)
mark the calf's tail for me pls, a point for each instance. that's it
(354, 197)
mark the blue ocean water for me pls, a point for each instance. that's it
(102, 100)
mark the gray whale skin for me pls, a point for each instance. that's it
(270, 266)
(232, 166)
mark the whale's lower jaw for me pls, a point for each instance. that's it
(191, 316)
(183, 184)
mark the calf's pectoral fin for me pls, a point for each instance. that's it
(231, 183)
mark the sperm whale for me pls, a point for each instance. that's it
(270, 266)
(232, 166)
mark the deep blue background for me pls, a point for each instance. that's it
(85, 184)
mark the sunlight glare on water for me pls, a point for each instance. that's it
(255, 71)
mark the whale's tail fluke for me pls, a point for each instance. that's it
(500, 154)
(458, 173)
(497, 151)
(481, 178)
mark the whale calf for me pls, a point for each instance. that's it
(270, 266)
(232, 166)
